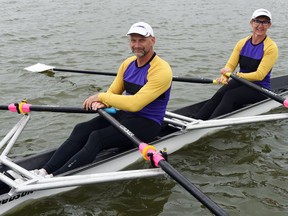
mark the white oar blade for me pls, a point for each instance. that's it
(39, 68)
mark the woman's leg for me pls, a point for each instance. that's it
(208, 108)
(236, 99)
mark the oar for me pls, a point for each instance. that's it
(149, 153)
(264, 91)
(42, 67)
(24, 108)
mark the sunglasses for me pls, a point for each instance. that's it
(258, 22)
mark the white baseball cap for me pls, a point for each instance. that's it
(261, 12)
(141, 28)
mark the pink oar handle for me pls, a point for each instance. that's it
(20, 108)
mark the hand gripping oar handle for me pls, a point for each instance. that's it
(159, 161)
(264, 91)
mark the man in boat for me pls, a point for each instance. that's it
(146, 80)
(256, 56)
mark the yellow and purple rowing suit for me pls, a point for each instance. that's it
(255, 61)
(147, 88)
(141, 110)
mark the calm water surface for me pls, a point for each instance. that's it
(244, 169)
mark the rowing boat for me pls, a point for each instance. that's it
(179, 130)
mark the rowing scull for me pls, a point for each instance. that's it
(173, 137)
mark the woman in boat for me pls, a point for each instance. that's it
(146, 80)
(256, 56)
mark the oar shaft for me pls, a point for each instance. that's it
(26, 108)
(120, 127)
(60, 109)
(194, 80)
(175, 78)
(84, 72)
(264, 91)
(161, 162)
(191, 188)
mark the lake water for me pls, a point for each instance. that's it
(244, 169)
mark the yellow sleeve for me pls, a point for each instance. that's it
(235, 55)
(159, 80)
(268, 61)
(117, 86)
